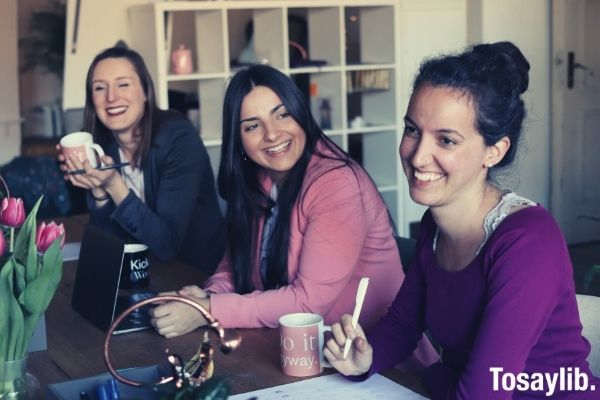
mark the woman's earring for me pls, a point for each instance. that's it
(244, 157)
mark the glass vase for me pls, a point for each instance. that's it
(16, 383)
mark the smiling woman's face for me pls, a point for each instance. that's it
(118, 96)
(270, 135)
(443, 154)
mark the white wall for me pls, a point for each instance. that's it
(528, 25)
(427, 28)
(10, 128)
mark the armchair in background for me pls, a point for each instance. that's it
(589, 312)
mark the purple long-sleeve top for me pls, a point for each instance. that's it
(513, 307)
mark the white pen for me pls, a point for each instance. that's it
(360, 297)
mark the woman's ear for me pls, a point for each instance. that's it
(496, 152)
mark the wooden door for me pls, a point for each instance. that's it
(576, 119)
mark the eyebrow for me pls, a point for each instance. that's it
(408, 120)
(273, 111)
(116, 79)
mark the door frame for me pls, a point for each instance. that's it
(558, 33)
(560, 141)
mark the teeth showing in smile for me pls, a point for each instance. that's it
(279, 148)
(428, 176)
(116, 110)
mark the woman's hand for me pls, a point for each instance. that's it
(101, 183)
(360, 356)
(173, 319)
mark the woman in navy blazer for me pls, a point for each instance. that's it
(166, 198)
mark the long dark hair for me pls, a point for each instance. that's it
(92, 124)
(239, 184)
(494, 75)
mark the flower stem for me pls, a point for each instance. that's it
(5, 186)
(12, 240)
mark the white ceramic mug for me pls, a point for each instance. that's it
(135, 272)
(82, 146)
(301, 336)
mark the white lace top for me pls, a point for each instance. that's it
(509, 202)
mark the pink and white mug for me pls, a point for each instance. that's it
(81, 145)
(302, 343)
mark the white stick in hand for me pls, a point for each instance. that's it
(360, 297)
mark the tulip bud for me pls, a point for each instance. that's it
(47, 234)
(12, 212)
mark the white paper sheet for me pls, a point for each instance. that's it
(71, 251)
(331, 387)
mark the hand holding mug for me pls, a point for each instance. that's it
(92, 178)
(359, 359)
(77, 151)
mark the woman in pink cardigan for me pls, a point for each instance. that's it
(304, 221)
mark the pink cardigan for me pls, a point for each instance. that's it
(339, 232)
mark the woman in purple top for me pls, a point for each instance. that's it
(492, 281)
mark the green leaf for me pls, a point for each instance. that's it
(12, 329)
(25, 249)
(5, 304)
(39, 292)
(19, 278)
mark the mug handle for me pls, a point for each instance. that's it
(95, 147)
(324, 362)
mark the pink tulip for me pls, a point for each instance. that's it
(47, 234)
(2, 244)
(12, 212)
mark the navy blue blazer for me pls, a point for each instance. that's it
(180, 216)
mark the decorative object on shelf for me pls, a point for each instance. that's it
(357, 122)
(181, 60)
(192, 380)
(303, 60)
(368, 80)
(31, 268)
(325, 114)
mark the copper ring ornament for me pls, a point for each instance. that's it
(202, 360)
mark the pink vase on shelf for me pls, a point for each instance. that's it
(181, 60)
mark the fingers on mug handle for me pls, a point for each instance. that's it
(338, 333)
(326, 363)
(358, 330)
(99, 151)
